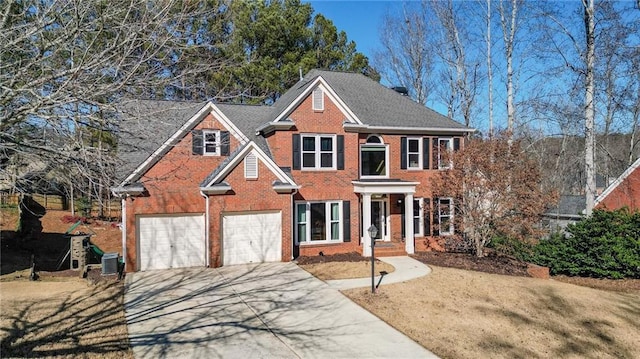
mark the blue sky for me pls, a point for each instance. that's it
(359, 19)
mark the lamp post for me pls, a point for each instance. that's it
(373, 231)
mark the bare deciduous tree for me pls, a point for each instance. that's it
(63, 64)
(405, 58)
(497, 191)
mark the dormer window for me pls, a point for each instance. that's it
(374, 158)
(317, 99)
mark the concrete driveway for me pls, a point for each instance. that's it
(271, 310)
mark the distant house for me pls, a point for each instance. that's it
(570, 209)
(623, 192)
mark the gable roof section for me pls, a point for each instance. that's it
(292, 98)
(143, 127)
(216, 178)
(635, 166)
(372, 105)
(153, 127)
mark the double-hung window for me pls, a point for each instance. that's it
(445, 216)
(318, 152)
(418, 217)
(445, 146)
(318, 222)
(374, 158)
(414, 153)
(211, 142)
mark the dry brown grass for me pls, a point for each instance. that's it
(345, 270)
(63, 318)
(464, 314)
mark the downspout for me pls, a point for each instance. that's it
(206, 230)
(291, 222)
(123, 228)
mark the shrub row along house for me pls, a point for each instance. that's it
(218, 184)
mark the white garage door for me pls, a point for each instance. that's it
(171, 241)
(251, 238)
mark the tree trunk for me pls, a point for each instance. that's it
(589, 111)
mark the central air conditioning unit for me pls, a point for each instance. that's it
(109, 263)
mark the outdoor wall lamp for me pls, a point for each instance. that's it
(373, 231)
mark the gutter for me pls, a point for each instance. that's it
(350, 127)
(206, 230)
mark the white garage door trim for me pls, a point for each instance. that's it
(171, 241)
(251, 237)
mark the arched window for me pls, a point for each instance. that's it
(374, 158)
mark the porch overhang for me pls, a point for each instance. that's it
(389, 186)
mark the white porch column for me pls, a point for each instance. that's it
(408, 224)
(366, 223)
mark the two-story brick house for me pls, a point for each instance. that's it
(217, 184)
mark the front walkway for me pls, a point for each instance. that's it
(406, 268)
(269, 310)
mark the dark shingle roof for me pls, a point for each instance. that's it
(371, 102)
(247, 118)
(144, 125)
(572, 205)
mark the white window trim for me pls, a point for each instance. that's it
(317, 152)
(451, 217)
(315, 105)
(328, 222)
(440, 154)
(420, 153)
(420, 217)
(386, 160)
(251, 166)
(204, 143)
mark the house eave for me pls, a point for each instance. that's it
(216, 189)
(284, 188)
(350, 127)
(270, 127)
(128, 191)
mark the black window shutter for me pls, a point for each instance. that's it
(403, 153)
(456, 143)
(427, 216)
(426, 149)
(346, 220)
(436, 218)
(224, 143)
(340, 154)
(296, 151)
(196, 142)
(434, 154)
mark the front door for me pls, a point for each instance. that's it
(379, 216)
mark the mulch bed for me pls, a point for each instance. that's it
(492, 263)
(342, 257)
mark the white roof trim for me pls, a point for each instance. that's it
(208, 108)
(252, 148)
(349, 127)
(617, 182)
(217, 189)
(373, 187)
(322, 83)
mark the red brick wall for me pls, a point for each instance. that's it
(249, 195)
(336, 185)
(173, 185)
(626, 194)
